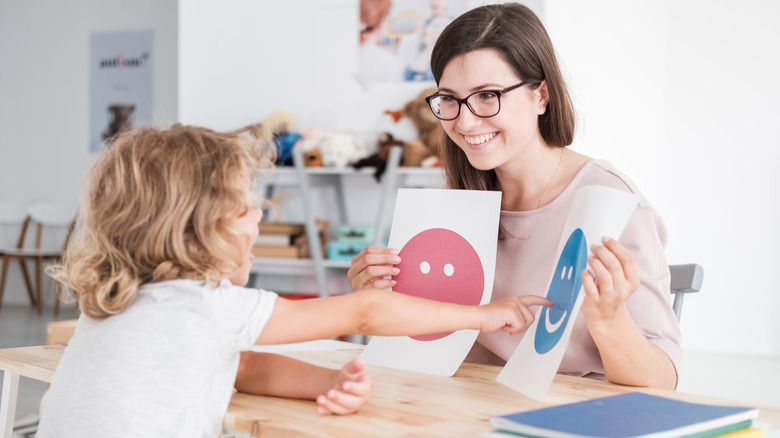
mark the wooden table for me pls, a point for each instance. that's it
(403, 404)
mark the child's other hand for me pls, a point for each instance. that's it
(511, 314)
(351, 390)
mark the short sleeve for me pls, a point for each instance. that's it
(241, 314)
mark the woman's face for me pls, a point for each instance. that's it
(492, 142)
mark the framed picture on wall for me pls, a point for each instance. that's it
(120, 83)
(396, 37)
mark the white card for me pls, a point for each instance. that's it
(596, 211)
(447, 241)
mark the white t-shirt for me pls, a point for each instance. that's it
(163, 367)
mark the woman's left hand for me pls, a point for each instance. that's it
(351, 390)
(616, 278)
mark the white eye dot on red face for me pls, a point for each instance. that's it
(425, 267)
(449, 270)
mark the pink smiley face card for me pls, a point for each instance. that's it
(447, 242)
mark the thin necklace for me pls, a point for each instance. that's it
(551, 178)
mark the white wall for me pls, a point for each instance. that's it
(44, 92)
(681, 95)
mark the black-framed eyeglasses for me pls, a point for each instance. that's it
(487, 103)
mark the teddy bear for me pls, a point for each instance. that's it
(424, 150)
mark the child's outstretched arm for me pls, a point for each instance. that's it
(339, 392)
(379, 312)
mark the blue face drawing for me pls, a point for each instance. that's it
(564, 288)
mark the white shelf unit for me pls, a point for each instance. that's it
(305, 178)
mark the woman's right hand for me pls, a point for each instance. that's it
(370, 267)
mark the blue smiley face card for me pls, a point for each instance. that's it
(596, 211)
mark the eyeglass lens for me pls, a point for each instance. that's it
(482, 104)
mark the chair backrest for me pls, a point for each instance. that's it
(56, 217)
(686, 279)
(12, 218)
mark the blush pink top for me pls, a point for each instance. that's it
(525, 261)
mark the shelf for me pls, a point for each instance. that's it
(305, 178)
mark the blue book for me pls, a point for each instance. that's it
(626, 415)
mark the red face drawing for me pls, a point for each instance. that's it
(440, 265)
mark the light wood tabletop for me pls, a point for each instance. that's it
(403, 403)
(408, 404)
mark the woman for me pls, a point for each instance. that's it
(506, 111)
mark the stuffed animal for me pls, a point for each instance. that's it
(379, 159)
(278, 126)
(336, 149)
(429, 128)
(424, 150)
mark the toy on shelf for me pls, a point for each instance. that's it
(337, 150)
(278, 126)
(422, 151)
(379, 160)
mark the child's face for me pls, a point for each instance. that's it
(247, 225)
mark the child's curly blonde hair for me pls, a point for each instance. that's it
(160, 204)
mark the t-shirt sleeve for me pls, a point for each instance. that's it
(650, 306)
(242, 314)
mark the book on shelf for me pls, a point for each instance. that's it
(276, 251)
(632, 414)
(271, 239)
(290, 229)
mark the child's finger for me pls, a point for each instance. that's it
(339, 403)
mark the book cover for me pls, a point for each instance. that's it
(626, 415)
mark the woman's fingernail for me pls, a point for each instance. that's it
(605, 239)
(396, 271)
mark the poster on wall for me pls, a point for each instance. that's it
(396, 37)
(120, 81)
(447, 254)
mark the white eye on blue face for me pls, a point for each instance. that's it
(563, 291)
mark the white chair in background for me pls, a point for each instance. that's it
(13, 224)
(52, 223)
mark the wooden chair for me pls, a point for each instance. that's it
(56, 219)
(685, 279)
(13, 226)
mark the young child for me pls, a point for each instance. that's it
(166, 228)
